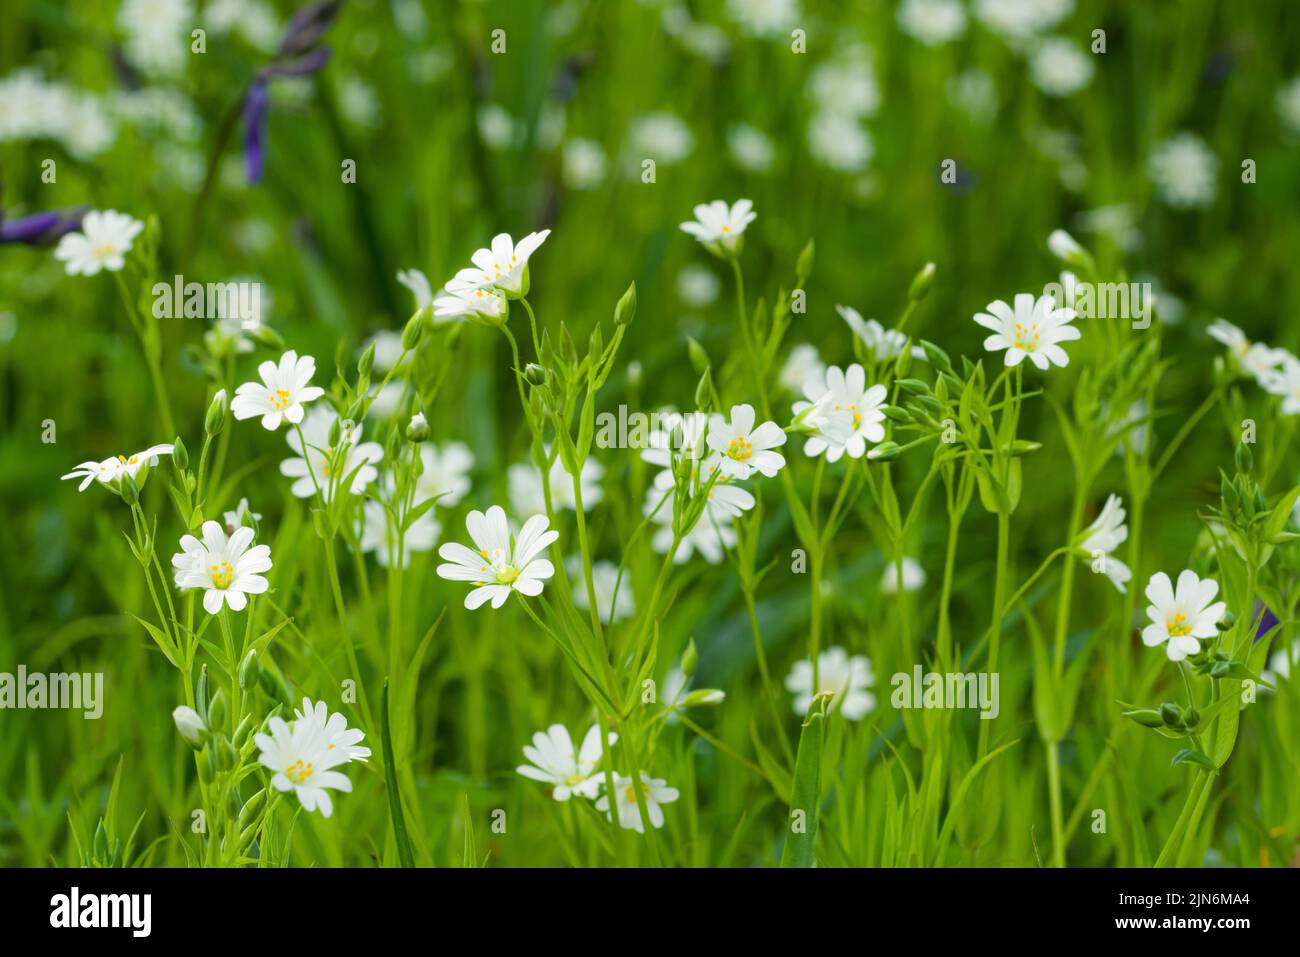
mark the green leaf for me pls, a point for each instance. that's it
(390, 781)
(801, 843)
(1190, 756)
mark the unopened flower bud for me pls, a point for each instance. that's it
(417, 430)
(922, 283)
(180, 455)
(215, 420)
(625, 311)
(190, 725)
(690, 658)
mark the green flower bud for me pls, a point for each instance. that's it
(180, 455)
(414, 330)
(248, 671)
(417, 430)
(626, 308)
(937, 358)
(215, 420)
(1245, 458)
(217, 709)
(922, 283)
(704, 391)
(804, 266)
(704, 696)
(1146, 717)
(699, 358)
(1171, 715)
(367, 361)
(884, 452)
(690, 658)
(535, 374)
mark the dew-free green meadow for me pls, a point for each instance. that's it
(728, 433)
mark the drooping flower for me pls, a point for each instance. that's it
(1033, 328)
(281, 393)
(320, 465)
(225, 568)
(105, 238)
(1102, 537)
(335, 735)
(109, 472)
(1179, 619)
(843, 412)
(743, 448)
(882, 344)
(300, 762)
(654, 791)
(418, 283)
(847, 677)
(499, 565)
(553, 760)
(719, 226)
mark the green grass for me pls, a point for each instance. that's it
(448, 697)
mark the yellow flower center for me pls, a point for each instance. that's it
(299, 771)
(740, 449)
(1178, 626)
(1026, 337)
(852, 407)
(280, 399)
(104, 250)
(221, 574)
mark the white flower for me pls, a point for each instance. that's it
(1184, 171)
(281, 393)
(499, 566)
(654, 792)
(584, 164)
(190, 725)
(335, 735)
(527, 496)
(604, 576)
(105, 238)
(1033, 329)
(388, 349)
(839, 142)
(697, 286)
(555, 761)
(1256, 359)
(1105, 535)
(496, 126)
(379, 534)
(235, 519)
(1230, 336)
(445, 473)
(1179, 618)
(913, 577)
(750, 148)
(157, 33)
(662, 137)
(1017, 20)
(1279, 663)
(975, 94)
(882, 344)
(1060, 68)
(110, 471)
(1284, 382)
(745, 449)
(845, 86)
(418, 283)
(843, 412)
(225, 568)
(503, 265)
(718, 225)
(461, 300)
(300, 762)
(227, 336)
(764, 18)
(848, 678)
(711, 535)
(1065, 248)
(802, 364)
(932, 22)
(320, 465)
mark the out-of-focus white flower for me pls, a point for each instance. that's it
(882, 344)
(1104, 535)
(1033, 328)
(445, 474)
(913, 577)
(190, 725)
(604, 576)
(847, 678)
(711, 536)
(388, 349)
(802, 364)
(281, 393)
(697, 286)
(654, 792)
(974, 93)
(554, 760)
(241, 517)
(1184, 171)
(839, 142)
(226, 569)
(1059, 67)
(359, 103)
(527, 497)
(317, 465)
(1017, 20)
(584, 164)
(499, 565)
(932, 22)
(1284, 382)
(497, 127)
(157, 33)
(750, 148)
(379, 535)
(1180, 618)
(765, 18)
(252, 19)
(845, 85)
(105, 238)
(662, 137)
(418, 283)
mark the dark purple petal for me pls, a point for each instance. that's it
(307, 26)
(1266, 623)
(304, 65)
(41, 229)
(255, 129)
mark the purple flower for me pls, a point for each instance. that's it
(41, 229)
(301, 54)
